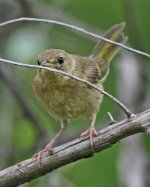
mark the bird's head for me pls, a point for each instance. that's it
(56, 59)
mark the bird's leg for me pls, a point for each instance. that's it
(49, 146)
(91, 131)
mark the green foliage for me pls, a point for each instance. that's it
(95, 171)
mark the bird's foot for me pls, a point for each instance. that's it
(40, 154)
(91, 132)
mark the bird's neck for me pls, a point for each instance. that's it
(52, 79)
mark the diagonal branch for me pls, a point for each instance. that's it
(75, 150)
(74, 28)
(124, 108)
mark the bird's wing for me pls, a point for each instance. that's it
(87, 69)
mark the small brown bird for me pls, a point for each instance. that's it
(65, 98)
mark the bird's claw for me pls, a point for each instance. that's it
(40, 154)
(91, 132)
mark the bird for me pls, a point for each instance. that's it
(65, 98)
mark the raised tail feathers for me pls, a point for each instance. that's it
(105, 51)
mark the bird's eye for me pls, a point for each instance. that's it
(38, 62)
(61, 60)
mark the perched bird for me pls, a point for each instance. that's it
(65, 98)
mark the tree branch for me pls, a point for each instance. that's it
(77, 29)
(124, 108)
(74, 150)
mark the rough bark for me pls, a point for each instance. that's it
(74, 150)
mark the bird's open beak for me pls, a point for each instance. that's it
(44, 63)
(47, 64)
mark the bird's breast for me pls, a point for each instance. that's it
(67, 99)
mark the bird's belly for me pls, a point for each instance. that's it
(67, 107)
(69, 101)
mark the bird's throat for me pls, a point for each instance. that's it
(49, 78)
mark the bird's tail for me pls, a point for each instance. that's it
(106, 51)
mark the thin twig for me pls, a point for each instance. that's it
(111, 118)
(75, 28)
(125, 109)
(70, 152)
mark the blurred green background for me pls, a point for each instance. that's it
(25, 126)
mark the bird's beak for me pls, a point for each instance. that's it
(44, 63)
(47, 64)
